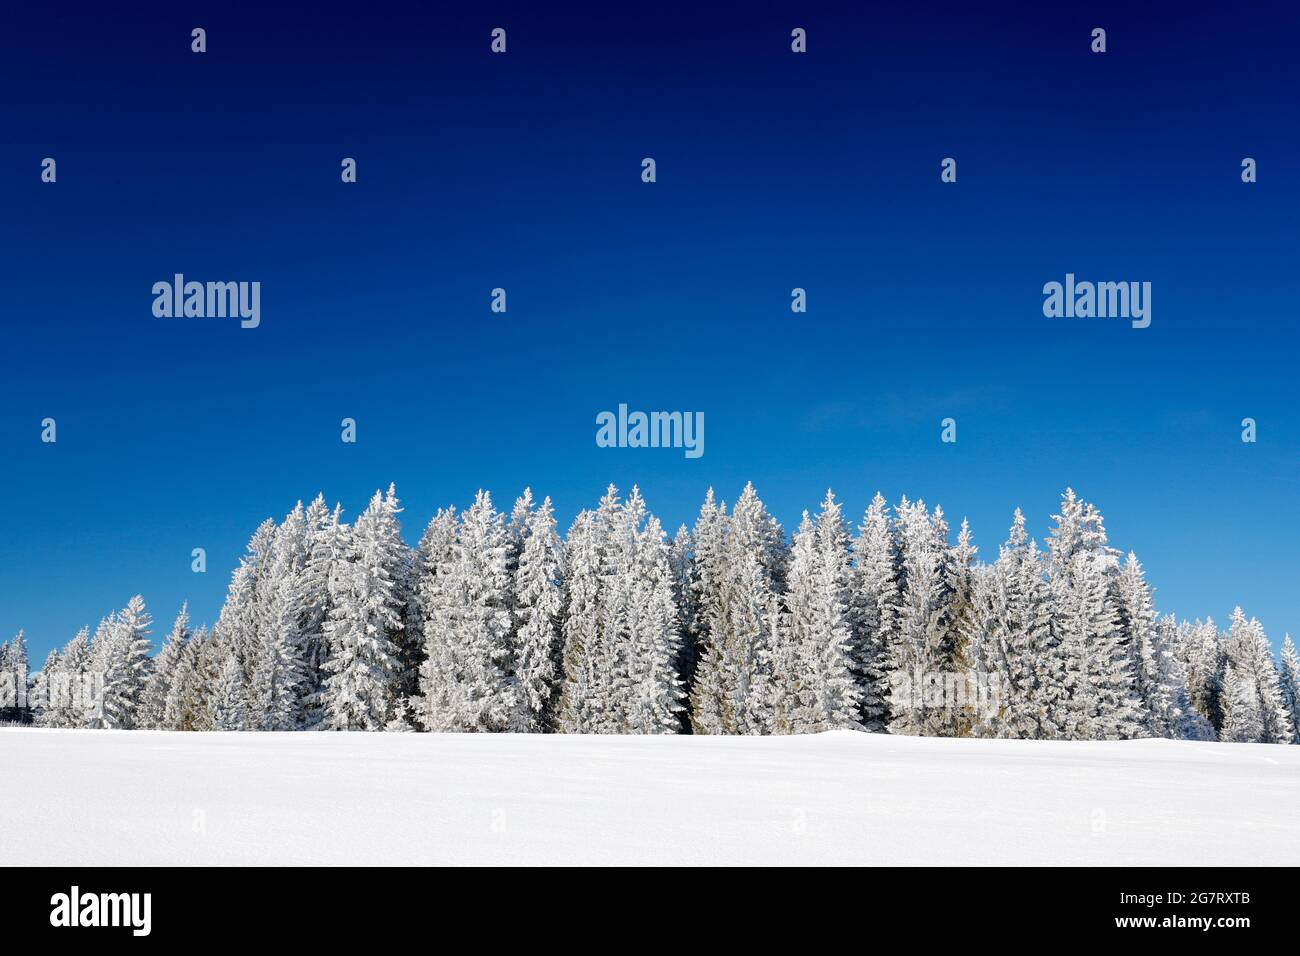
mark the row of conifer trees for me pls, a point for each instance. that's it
(497, 623)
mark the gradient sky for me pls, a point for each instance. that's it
(523, 171)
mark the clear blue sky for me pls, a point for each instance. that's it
(522, 171)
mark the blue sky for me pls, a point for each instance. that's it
(522, 171)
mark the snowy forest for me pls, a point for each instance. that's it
(498, 623)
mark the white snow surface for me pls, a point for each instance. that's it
(141, 797)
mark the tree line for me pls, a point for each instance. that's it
(496, 622)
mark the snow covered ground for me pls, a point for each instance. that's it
(103, 797)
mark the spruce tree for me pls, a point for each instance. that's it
(13, 679)
(681, 556)
(733, 691)
(1136, 620)
(41, 702)
(1010, 640)
(243, 617)
(1289, 684)
(277, 689)
(184, 702)
(1098, 668)
(277, 697)
(816, 686)
(1251, 659)
(538, 589)
(365, 621)
(153, 701)
(468, 682)
(122, 656)
(1243, 722)
(229, 700)
(926, 651)
(1200, 651)
(961, 565)
(328, 543)
(517, 528)
(431, 558)
(208, 663)
(621, 627)
(578, 710)
(70, 688)
(875, 605)
(19, 668)
(1181, 720)
(654, 700)
(615, 555)
(703, 594)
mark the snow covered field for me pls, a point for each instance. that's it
(105, 797)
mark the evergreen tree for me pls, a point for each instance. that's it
(680, 557)
(986, 632)
(41, 696)
(733, 691)
(432, 556)
(328, 543)
(1010, 641)
(229, 700)
(961, 567)
(579, 709)
(621, 627)
(68, 686)
(1157, 690)
(926, 651)
(1200, 651)
(517, 529)
(1099, 671)
(655, 700)
(616, 558)
(1181, 720)
(816, 685)
(468, 682)
(8, 686)
(1259, 703)
(153, 700)
(184, 702)
(242, 621)
(286, 685)
(408, 645)
(875, 606)
(703, 594)
(18, 664)
(539, 595)
(209, 660)
(641, 688)
(277, 689)
(277, 697)
(1242, 721)
(366, 615)
(496, 624)
(1289, 684)
(122, 656)
(14, 699)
